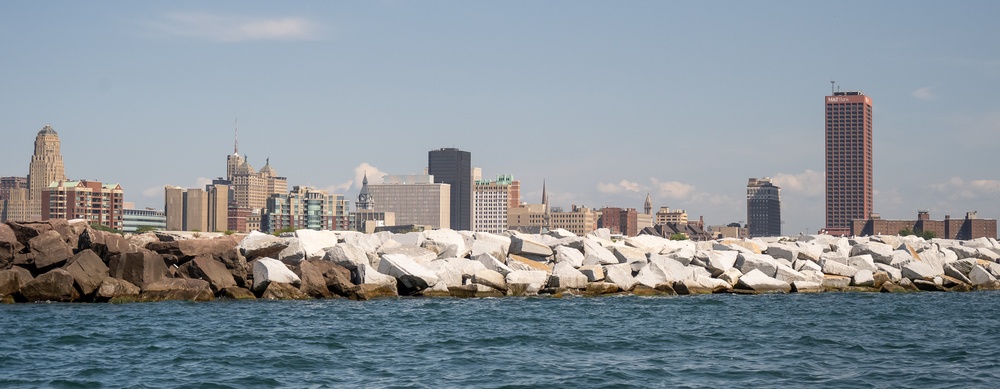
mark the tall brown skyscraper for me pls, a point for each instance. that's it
(46, 167)
(848, 160)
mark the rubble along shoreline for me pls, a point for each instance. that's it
(68, 261)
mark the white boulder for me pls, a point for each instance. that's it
(268, 270)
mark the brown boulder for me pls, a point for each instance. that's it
(599, 288)
(222, 249)
(114, 290)
(25, 231)
(237, 293)
(140, 268)
(67, 231)
(210, 270)
(283, 291)
(10, 282)
(49, 250)
(8, 246)
(373, 291)
(177, 289)
(88, 271)
(56, 285)
(104, 244)
(313, 281)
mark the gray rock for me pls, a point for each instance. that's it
(953, 272)
(880, 252)
(595, 254)
(632, 256)
(493, 264)
(781, 250)
(919, 271)
(895, 275)
(257, 244)
(567, 254)
(416, 254)
(621, 275)
(746, 262)
(731, 276)
(350, 256)
(863, 277)
(978, 276)
(521, 245)
(446, 243)
(314, 243)
(647, 243)
(565, 275)
(837, 268)
(757, 281)
(411, 275)
(368, 275)
(789, 275)
(268, 270)
(863, 262)
(809, 251)
(491, 279)
(518, 262)
(836, 282)
(529, 282)
(480, 247)
(594, 273)
(806, 287)
(685, 255)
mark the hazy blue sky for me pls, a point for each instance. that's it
(605, 100)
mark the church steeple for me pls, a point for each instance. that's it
(648, 205)
(365, 200)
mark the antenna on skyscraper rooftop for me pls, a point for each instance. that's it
(236, 136)
(831, 86)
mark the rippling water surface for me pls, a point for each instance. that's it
(821, 340)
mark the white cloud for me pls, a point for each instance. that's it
(807, 183)
(622, 186)
(925, 94)
(153, 192)
(224, 28)
(958, 188)
(673, 190)
(157, 191)
(374, 177)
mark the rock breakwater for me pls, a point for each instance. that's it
(68, 261)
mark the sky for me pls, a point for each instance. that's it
(604, 101)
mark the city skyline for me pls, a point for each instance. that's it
(605, 102)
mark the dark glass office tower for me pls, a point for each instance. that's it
(454, 167)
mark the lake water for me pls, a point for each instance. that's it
(819, 340)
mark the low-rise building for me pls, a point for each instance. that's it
(306, 208)
(413, 199)
(491, 201)
(619, 221)
(148, 218)
(197, 209)
(93, 201)
(665, 215)
(579, 220)
(971, 227)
